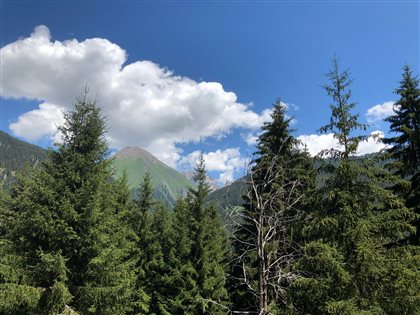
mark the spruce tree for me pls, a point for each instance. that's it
(182, 280)
(157, 268)
(208, 249)
(346, 260)
(266, 242)
(67, 227)
(140, 219)
(404, 150)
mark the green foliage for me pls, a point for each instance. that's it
(17, 295)
(405, 149)
(159, 253)
(348, 263)
(66, 225)
(144, 200)
(182, 280)
(405, 122)
(403, 281)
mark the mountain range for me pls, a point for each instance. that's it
(168, 183)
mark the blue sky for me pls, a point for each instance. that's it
(185, 59)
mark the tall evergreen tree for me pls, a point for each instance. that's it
(346, 260)
(405, 145)
(265, 242)
(182, 281)
(140, 219)
(190, 255)
(158, 265)
(66, 223)
(208, 250)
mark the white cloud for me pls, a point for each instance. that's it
(145, 104)
(39, 122)
(228, 162)
(316, 143)
(380, 111)
(373, 143)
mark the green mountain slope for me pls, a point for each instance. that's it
(229, 196)
(15, 154)
(168, 183)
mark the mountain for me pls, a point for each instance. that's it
(229, 196)
(168, 183)
(14, 155)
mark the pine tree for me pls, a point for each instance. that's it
(67, 226)
(266, 242)
(405, 145)
(346, 260)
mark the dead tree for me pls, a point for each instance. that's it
(266, 255)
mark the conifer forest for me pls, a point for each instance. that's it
(332, 234)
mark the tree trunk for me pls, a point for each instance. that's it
(263, 272)
(263, 288)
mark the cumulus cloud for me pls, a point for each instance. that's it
(39, 122)
(145, 104)
(380, 111)
(373, 143)
(316, 143)
(228, 162)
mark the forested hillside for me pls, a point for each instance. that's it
(15, 154)
(310, 238)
